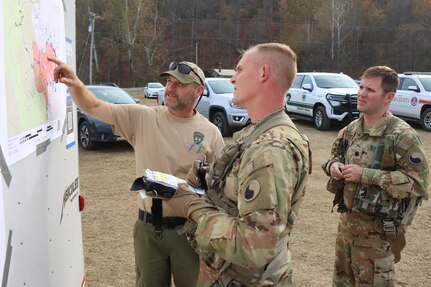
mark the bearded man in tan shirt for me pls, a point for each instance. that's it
(166, 139)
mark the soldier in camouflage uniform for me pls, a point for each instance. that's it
(379, 174)
(256, 185)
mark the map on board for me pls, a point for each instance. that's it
(31, 104)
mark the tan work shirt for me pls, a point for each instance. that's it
(163, 142)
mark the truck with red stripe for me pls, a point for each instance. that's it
(412, 101)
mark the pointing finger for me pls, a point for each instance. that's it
(54, 60)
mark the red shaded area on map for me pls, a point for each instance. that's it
(43, 69)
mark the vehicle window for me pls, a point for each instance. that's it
(426, 82)
(297, 82)
(155, 85)
(221, 87)
(307, 80)
(113, 95)
(334, 81)
(406, 83)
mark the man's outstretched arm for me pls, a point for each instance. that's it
(82, 96)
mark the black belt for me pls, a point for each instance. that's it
(167, 222)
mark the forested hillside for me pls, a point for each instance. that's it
(134, 40)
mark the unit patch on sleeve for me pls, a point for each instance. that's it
(252, 190)
(415, 158)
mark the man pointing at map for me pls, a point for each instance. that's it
(167, 139)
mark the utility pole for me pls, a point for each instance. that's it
(92, 20)
(196, 52)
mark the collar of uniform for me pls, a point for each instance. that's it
(377, 130)
(357, 126)
(240, 135)
(246, 131)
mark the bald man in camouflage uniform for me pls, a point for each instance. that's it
(256, 185)
(379, 174)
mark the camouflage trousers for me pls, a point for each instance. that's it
(362, 258)
(208, 277)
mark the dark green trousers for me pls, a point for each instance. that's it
(156, 260)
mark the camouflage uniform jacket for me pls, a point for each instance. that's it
(408, 177)
(261, 183)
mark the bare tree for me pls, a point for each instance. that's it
(149, 51)
(152, 35)
(340, 15)
(130, 31)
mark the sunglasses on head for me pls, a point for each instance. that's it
(184, 69)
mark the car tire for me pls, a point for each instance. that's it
(220, 121)
(426, 120)
(321, 120)
(85, 137)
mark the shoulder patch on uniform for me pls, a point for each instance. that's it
(415, 158)
(252, 190)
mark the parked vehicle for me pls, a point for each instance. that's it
(412, 101)
(92, 131)
(161, 99)
(153, 90)
(323, 98)
(216, 105)
(108, 84)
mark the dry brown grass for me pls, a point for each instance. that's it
(107, 173)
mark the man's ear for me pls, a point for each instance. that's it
(199, 90)
(389, 97)
(265, 73)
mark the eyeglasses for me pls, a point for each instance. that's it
(184, 69)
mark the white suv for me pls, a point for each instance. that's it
(413, 99)
(216, 105)
(323, 98)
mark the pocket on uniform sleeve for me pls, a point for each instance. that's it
(398, 178)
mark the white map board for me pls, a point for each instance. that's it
(3, 124)
(40, 221)
(3, 239)
(35, 108)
